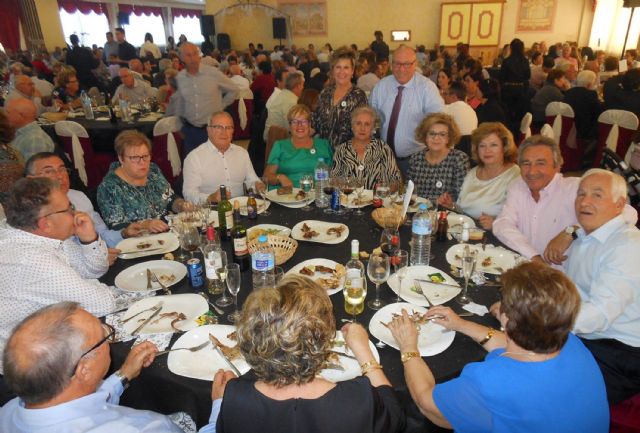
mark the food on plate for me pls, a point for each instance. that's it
(301, 195)
(167, 279)
(143, 245)
(308, 233)
(176, 316)
(487, 262)
(326, 269)
(308, 271)
(207, 318)
(284, 190)
(328, 283)
(256, 233)
(160, 242)
(416, 317)
(437, 277)
(364, 255)
(233, 336)
(337, 230)
(168, 256)
(229, 352)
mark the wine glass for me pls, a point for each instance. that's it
(224, 300)
(306, 183)
(378, 272)
(359, 187)
(355, 290)
(177, 227)
(468, 266)
(390, 237)
(328, 189)
(380, 193)
(263, 193)
(400, 262)
(190, 240)
(233, 284)
(348, 187)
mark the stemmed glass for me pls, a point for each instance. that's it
(224, 300)
(359, 186)
(328, 189)
(233, 284)
(468, 266)
(378, 272)
(177, 228)
(348, 187)
(355, 290)
(263, 193)
(390, 237)
(400, 262)
(306, 183)
(190, 239)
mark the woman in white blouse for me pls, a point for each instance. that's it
(485, 186)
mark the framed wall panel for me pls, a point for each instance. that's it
(475, 23)
(455, 19)
(486, 20)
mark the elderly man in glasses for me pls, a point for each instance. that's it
(55, 361)
(217, 162)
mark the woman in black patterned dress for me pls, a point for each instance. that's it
(332, 118)
(364, 157)
(440, 168)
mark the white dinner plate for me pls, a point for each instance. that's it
(324, 262)
(455, 219)
(157, 244)
(488, 259)
(432, 338)
(366, 196)
(321, 227)
(273, 229)
(351, 366)
(204, 363)
(437, 293)
(190, 304)
(286, 198)
(413, 208)
(134, 278)
(242, 201)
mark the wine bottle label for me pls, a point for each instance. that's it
(228, 216)
(240, 246)
(213, 262)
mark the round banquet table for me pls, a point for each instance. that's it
(160, 390)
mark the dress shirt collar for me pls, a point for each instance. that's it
(602, 233)
(408, 85)
(227, 152)
(19, 234)
(550, 188)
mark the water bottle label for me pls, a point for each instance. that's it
(421, 226)
(322, 174)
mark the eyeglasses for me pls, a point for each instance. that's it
(403, 65)
(109, 335)
(71, 209)
(50, 172)
(220, 128)
(435, 135)
(299, 122)
(138, 158)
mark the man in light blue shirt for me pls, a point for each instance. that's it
(30, 138)
(419, 97)
(603, 264)
(55, 360)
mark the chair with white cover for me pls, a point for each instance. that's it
(525, 127)
(242, 113)
(92, 166)
(562, 118)
(166, 142)
(547, 131)
(616, 130)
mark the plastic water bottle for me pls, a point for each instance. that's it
(421, 237)
(263, 263)
(86, 105)
(321, 179)
(125, 114)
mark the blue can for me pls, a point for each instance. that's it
(335, 199)
(194, 268)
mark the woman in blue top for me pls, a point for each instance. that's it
(537, 377)
(294, 157)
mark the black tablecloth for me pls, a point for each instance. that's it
(160, 390)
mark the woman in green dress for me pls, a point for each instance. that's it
(297, 156)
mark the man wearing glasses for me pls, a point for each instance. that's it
(71, 348)
(39, 262)
(402, 100)
(217, 162)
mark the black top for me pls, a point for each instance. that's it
(352, 406)
(515, 70)
(381, 49)
(126, 51)
(83, 60)
(587, 108)
(490, 111)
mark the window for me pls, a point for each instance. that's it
(190, 27)
(90, 28)
(139, 25)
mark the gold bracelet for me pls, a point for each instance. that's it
(405, 356)
(488, 337)
(368, 366)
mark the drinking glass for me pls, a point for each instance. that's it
(328, 190)
(233, 284)
(355, 290)
(380, 193)
(190, 239)
(224, 300)
(263, 193)
(468, 266)
(339, 184)
(177, 228)
(348, 187)
(306, 183)
(359, 187)
(400, 262)
(378, 272)
(390, 237)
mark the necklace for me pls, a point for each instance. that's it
(530, 355)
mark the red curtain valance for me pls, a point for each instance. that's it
(139, 10)
(9, 27)
(71, 6)
(181, 12)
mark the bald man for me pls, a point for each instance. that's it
(30, 138)
(133, 90)
(26, 88)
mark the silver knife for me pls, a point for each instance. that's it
(439, 284)
(226, 360)
(158, 305)
(147, 320)
(140, 251)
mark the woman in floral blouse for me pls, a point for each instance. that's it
(332, 118)
(135, 189)
(440, 168)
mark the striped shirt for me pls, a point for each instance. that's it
(377, 165)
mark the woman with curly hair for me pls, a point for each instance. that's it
(286, 334)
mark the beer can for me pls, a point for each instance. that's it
(194, 268)
(335, 199)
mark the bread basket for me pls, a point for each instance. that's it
(283, 246)
(55, 116)
(387, 217)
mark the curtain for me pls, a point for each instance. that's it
(9, 27)
(85, 7)
(191, 13)
(139, 10)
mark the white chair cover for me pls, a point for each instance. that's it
(67, 128)
(559, 109)
(547, 131)
(525, 125)
(617, 118)
(242, 108)
(169, 125)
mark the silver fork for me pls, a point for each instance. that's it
(423, 294)
(190, 349)
(164, 288)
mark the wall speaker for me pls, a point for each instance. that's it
(123, 19)
(279, 28)
(223, 41)
(207, 25)
(631, 3)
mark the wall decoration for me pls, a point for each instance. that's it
(536, 15)
(474, 23)
(308, 17)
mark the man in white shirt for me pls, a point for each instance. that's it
(602, 262)
(132, 90)
(235, 73)
(456, 107)
(217, 162)
(39, 262)
(26, 88)
(282, 103)
(281, 76)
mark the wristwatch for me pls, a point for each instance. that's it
(572, 230)
(124, 380)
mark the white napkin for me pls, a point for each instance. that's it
(407, 199)
(474, 308)
(103, 119)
